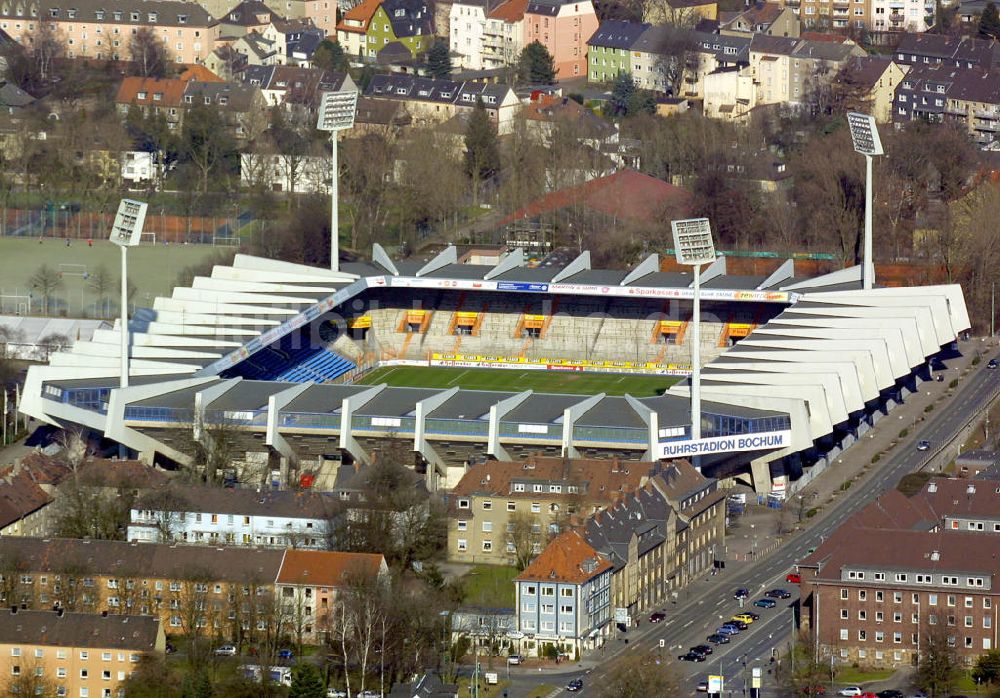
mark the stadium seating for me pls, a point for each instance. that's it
(283, 362)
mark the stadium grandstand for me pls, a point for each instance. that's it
(277, 356)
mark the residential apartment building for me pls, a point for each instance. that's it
(563, 28)
(27, 488)
(548, 490)
(705, 54)
(222, 516)
(503, 34)
(352, 31)
(232, 592)
(609, 50)
(406, 22)
(770, 18)
(902, 570)
(76, 654)
(968, 96)
(467, 24)
(153, 97)
(103, 30)
(949, 51)
(785, 71)
(869, 85)
(430, 101)
(294, 40)
(564, 598)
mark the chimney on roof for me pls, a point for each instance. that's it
(935, 555)
(931, 488)
(970, 490)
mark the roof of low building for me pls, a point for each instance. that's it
(568, 559)
(20, 496)
(195, 71)
(165, 92)
(164, 12)
(627, 194)
(617, 33)
(61, 629)
(363, 13)
(328, 569)
(243, 502)
(250, 13)
(510, 11)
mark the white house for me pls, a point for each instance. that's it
(300, 174)
(140, 166)
(468, 21)
(216, 516)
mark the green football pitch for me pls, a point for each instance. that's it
(152, 269)
(513, 380)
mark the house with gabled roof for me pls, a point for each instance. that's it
(407, 22)
(246, 17)
(609, 50)
(352, 30)
(256, 49)
(294, 40)
(431, 101)
(564, 597)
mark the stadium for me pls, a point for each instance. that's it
(453, 362)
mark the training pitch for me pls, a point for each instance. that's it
(152, 269)
(514, 380)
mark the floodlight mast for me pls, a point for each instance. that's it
(126, 232)
(336, 113)
(864, 135)
(693, 246)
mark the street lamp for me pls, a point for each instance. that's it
(693, 246)
(336, 113)
(126, 232)
(864, 134)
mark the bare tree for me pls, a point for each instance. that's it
(28, 678)
(102, 284)
(524, 533)
(45, 48)
(47, 281)
(149, 54)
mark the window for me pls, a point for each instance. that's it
(487, 546)
(536, 508)
(566, 592)
(487, 504)
(879, 616)
(862, 615)
(843, 634)
(487, 527)
(463, 525)
(843, 614)
(862, 595)
(843, 594)
(511, 506)
(463, 545)
(462, 503)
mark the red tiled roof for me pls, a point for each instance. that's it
(510, 11)
(627, 195)
(171, 91)
(566, 559)
(193, 71)
(323, 568)
(362, 12)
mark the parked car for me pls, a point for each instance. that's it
(778, 594)
(992, 363)
(850, 691)
(743, 618)
(727, 630)
(368, 694)
(657, 617)
(574, 685)
(515, 659)
(890, 693)
(692, 657)
(286, 655)
(702, 649)
(225, 651)
(765, 603)
(718, 639)
(335, 693)
(741, 593)
(793, 578)
(923, 445)
(702, 687)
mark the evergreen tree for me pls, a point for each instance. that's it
(628, 100)
(197, 685)
(439, 60)
(989, 22)
(329, 55)
(537, 65)
(306, 682)
(482, 153)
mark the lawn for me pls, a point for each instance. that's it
(539, 381)
(152, 269)
(852, 676)
(491, 586)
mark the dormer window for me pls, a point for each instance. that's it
(208, 100)
(399, 13)
(182, 19)
(99, 15)
(223, 100)
(188, 99)
(401, 90)
(140, 95)
(157, 96)
(71, 13)
(118, 16)
(134, 16)
(152, 17)
(53, 12)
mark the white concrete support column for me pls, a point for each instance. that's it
(204, 398)
(497, 412)
(420, 444)
(348, 405)
(272, 436)
(652, 420)
(570, 415)
(760, 470)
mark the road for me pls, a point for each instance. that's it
(705, 605)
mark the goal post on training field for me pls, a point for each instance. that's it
(73, 270)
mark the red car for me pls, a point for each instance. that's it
(793, 578)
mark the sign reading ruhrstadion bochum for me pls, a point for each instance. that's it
(767, 440)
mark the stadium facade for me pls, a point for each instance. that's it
(268, 353)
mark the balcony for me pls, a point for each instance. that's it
(987, 113)
(990, 127)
